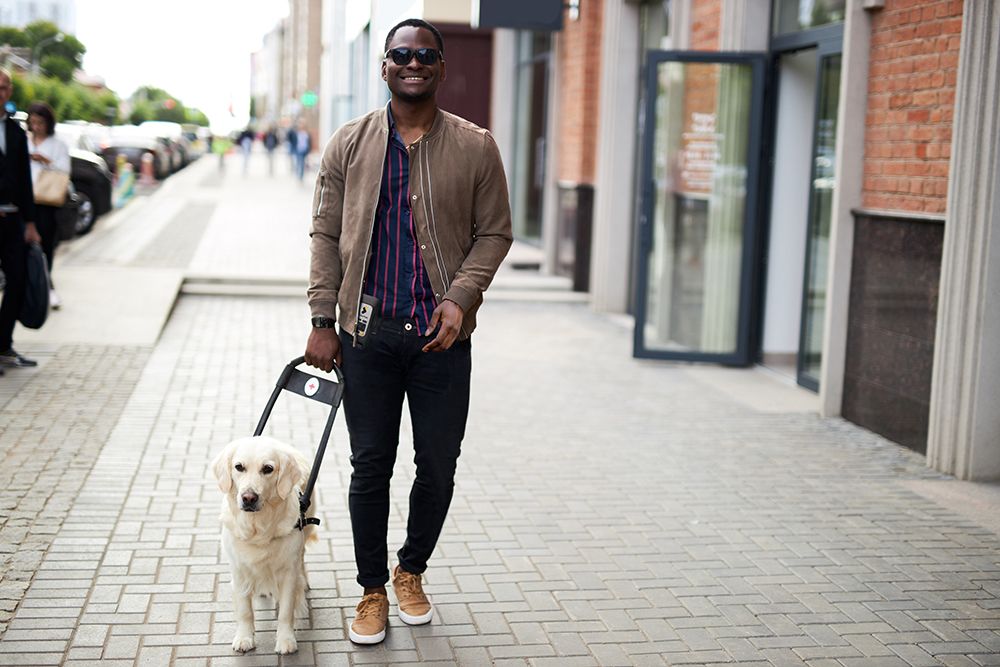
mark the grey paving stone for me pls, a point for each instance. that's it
(724, 557)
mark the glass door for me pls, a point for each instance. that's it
(698, 219)
(821, 191)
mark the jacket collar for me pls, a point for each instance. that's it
(386, 122)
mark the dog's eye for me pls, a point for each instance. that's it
(240, 468)
(267, 470)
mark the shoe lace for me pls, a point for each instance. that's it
(410, 583)
(370, 605)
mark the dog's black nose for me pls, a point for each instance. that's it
(249, 500)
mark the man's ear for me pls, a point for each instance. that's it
(290, 473)
(385, 72)
(222, 468)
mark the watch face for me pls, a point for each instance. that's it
(323, 322)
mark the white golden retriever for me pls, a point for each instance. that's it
(261, 478)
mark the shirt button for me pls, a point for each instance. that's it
(408, 326)
(436, 295)
(414, 197)
(423, 247)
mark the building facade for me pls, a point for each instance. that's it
(774, 182)
(19, 13)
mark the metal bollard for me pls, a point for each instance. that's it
(146, 171)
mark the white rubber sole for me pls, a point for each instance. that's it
(423, 619)
(366, 639)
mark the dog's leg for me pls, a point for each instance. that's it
(290, 594)
(243, 606)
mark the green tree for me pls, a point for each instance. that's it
(59, 57)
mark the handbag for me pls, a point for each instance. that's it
(35, 308)
(50, 188)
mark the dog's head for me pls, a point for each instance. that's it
(257, 471)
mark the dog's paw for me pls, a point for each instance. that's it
(243, 644)
(285, 645)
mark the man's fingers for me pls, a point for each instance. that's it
(435, 318)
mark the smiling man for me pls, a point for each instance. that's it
(411, 220)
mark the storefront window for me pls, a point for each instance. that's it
(795, 15)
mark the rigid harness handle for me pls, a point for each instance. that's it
(317, 389)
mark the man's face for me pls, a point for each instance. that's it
(6, 88)
(413, 82)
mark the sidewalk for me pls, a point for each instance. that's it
(608, 510)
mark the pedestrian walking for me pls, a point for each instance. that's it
(402, 267)
(17, 224)
(302, 146)
(270, 143)
(245, 142)
(48, 154)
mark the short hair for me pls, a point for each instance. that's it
(45, 112)
(416, 23)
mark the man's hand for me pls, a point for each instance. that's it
(323, 349)
(31, 234)
(449, 315)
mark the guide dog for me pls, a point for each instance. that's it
(261, 478)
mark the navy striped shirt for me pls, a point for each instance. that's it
(396, 274)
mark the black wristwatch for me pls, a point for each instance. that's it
(320, 322)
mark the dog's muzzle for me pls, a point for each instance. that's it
(249, 501)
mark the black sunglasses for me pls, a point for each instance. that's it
(402, 56)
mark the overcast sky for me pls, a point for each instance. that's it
(197, 50)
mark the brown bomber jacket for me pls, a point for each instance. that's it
(458, 200)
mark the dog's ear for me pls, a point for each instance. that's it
(221, 468)
(290, 473)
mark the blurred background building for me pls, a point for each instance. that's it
(19, 13)
(779, 182)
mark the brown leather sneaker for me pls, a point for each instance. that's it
(414, 607)
(369, 623)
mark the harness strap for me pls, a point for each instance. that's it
(303, 522)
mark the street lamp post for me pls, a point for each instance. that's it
(36, 52)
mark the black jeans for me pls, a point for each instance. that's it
(436, 387)
(12, 260)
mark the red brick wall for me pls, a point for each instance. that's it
(706, 16)
(578, 57)
(911, 99)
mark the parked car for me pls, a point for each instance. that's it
(89, 174)
(174, 134)
(127, 141)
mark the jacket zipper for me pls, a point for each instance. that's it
(368, 248)
(429, 196)
(322, 191)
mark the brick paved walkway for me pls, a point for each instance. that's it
(608, 511)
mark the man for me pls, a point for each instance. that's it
(17, 226)
(301, 148)
(410, 218)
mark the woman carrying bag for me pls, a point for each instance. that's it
(50, 167)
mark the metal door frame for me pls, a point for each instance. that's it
(749, 258)
(830, 43)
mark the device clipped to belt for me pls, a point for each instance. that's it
(368, 320)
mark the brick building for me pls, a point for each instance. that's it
(782, 183)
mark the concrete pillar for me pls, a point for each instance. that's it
(964, 429)
(503, 92)
(850, 156)
(614, 190)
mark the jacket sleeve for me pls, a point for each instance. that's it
(491, 230)
(325, 267)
